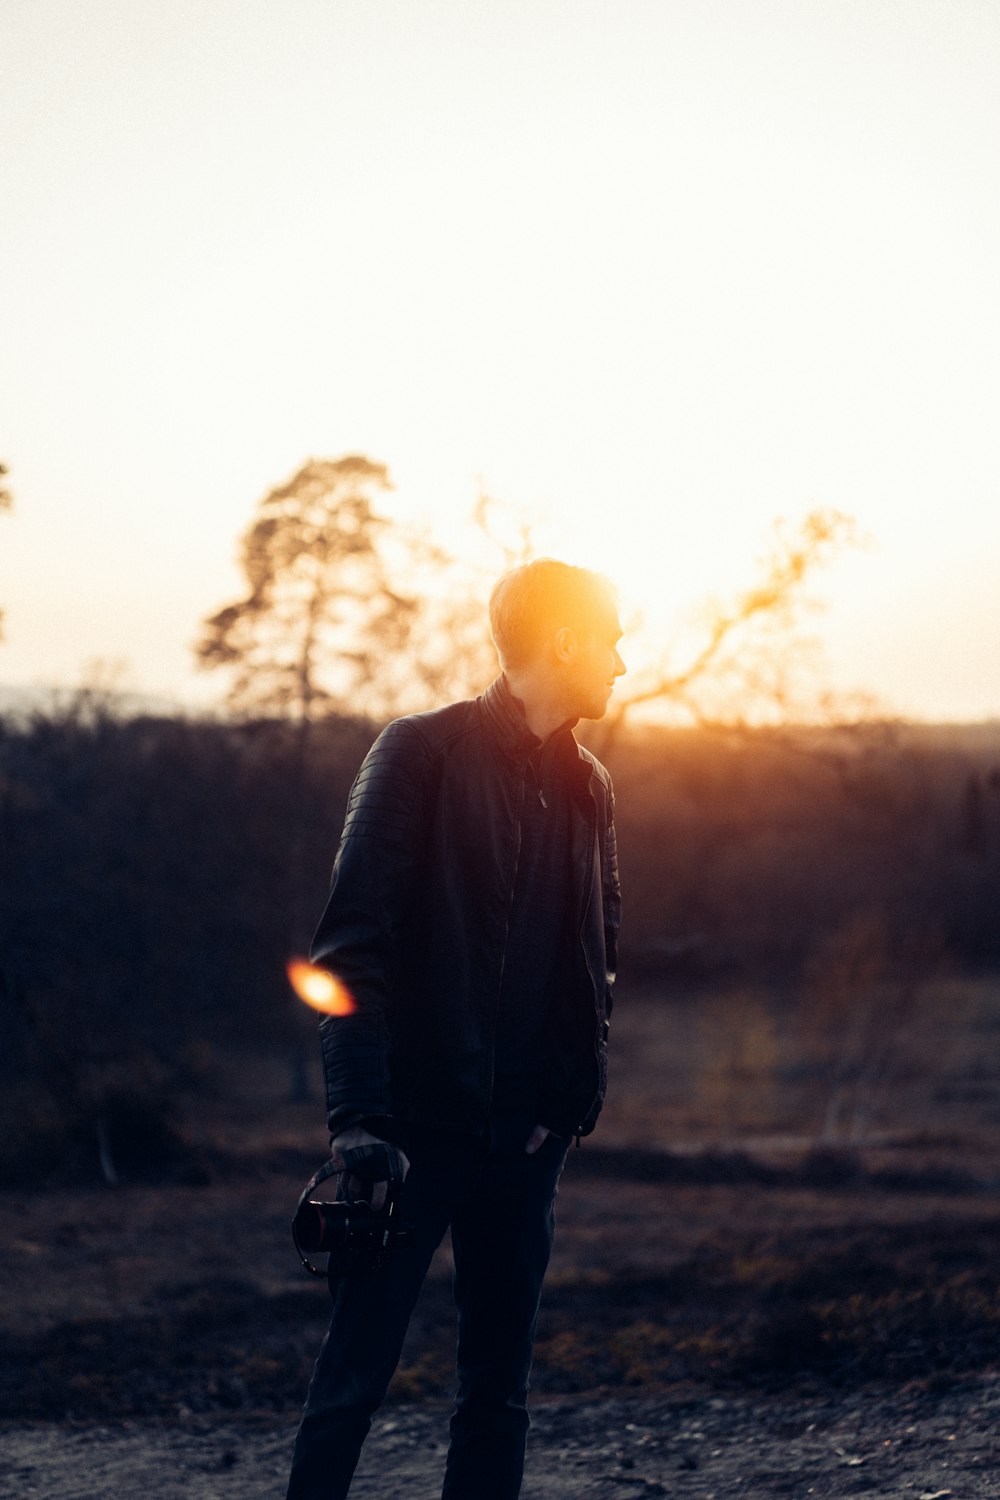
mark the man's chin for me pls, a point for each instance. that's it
(596, 710)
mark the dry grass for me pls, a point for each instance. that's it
(737, 1259)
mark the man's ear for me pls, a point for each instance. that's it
(564, 643)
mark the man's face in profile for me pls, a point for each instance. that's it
(596, 666)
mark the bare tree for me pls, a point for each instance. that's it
(322, 624)
(748, 646)
(752, 654)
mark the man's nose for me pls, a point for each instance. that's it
(620, 667)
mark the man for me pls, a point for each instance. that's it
(473, 916)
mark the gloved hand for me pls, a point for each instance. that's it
(368, 1164)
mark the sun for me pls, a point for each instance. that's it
(670, 567)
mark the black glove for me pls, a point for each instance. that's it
(376, 1163)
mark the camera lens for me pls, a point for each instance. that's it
(324, 1226)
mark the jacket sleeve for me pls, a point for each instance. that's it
(358, 935)
(611, 890)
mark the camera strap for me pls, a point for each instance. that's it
(378, 1162)
(326, 1170)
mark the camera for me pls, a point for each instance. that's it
(358, 1239)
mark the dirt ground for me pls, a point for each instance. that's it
(903, 1444)
(729, 1310)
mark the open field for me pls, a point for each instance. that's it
(712, 1267)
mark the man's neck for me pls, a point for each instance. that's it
(543, 715)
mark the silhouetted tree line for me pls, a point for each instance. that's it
(744, 852)
(147, 888)
(145, 906)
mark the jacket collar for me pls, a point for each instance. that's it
(505, 715)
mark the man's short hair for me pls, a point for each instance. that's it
(531, 602)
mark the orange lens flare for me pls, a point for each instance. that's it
(318, 988)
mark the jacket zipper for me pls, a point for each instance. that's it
(590, 975)
(506, 935)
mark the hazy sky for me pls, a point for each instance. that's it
(657, 272)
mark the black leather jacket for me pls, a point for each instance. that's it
(416, 923)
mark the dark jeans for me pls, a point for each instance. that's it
(500, 1204)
